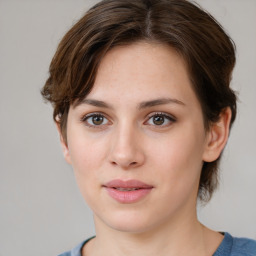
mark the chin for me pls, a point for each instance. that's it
(132, 222)
(134, 228)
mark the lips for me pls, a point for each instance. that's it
(129, 191)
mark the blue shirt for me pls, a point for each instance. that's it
(230, 246)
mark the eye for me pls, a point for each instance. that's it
(160, 119)
(95, 119)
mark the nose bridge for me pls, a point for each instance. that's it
(126, 150)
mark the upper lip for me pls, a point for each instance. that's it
(127, 184)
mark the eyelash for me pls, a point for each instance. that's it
(168, 117)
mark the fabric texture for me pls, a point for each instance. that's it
(233, 246)
(230, 246)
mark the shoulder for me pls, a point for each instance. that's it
(234, 246)
(76, 251)
(243, 246)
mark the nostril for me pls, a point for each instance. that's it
(125, 165)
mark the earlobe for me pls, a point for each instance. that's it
(217, 136)
(64, 145)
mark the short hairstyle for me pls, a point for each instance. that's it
(208, 51)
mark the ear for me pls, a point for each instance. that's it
(217, 136)
(64, 145)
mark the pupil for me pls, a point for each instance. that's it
(158, 120)
(97, 120)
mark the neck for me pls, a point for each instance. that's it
(186, 237)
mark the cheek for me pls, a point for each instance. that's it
(183, 150)
(87, 155)
(86, 158)
(178, 176)
(179, 158)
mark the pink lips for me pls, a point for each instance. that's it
(129, 191)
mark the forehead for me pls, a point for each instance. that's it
(142, 69)
(141, 60)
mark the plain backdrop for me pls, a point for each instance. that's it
(41, 210)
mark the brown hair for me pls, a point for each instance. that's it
(207, 50)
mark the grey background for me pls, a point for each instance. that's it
(41, 210)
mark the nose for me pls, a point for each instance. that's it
(126, 148)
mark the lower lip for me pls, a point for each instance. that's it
(127, 197)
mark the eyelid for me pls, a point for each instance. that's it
(162, 114)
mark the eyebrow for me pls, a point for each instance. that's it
(142, 105)
(161, 101)
(96, 103)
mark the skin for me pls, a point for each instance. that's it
(130, 144)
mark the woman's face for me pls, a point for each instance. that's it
(137, 142)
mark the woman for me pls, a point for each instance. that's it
(142, 102)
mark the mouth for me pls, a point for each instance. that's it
(129, 191)
(126, 189)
